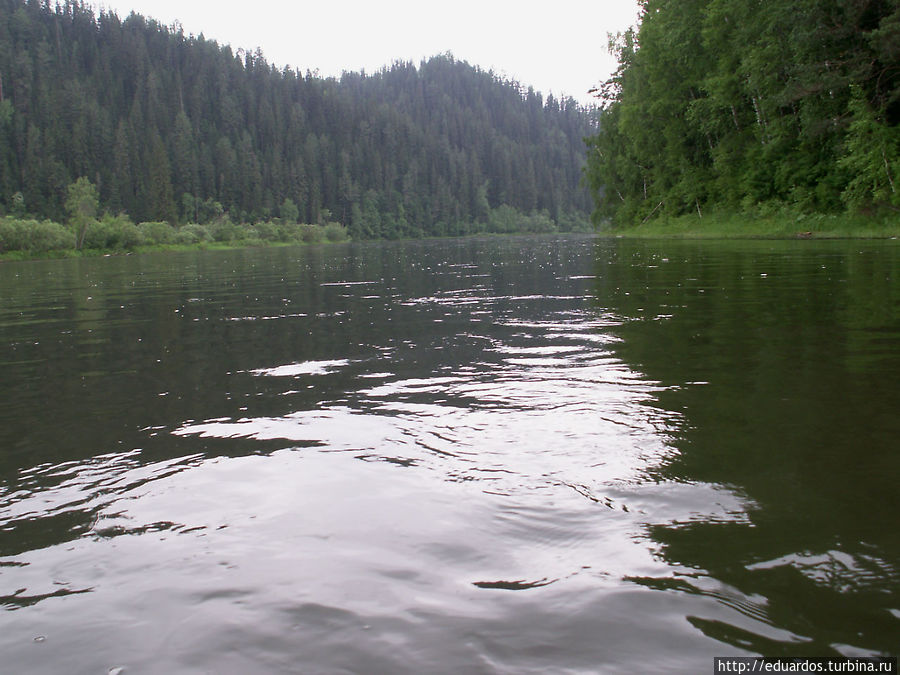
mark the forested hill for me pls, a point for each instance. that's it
(736, 105)
(178, 128)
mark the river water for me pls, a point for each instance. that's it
(500, 455)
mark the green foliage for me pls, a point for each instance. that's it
(192, 233)
(268, 231)
(176, 128)
(289, 211)
(768, 221)
(224, 230)
(82, 204)
(311, 234)
(335, 232)
(537, 221)
(728, 104)
(574, 222)
(209, 211)
(505, 219)
(17, 205)
(871, 158)
(113, 233)
(34, 236)
(156, 233)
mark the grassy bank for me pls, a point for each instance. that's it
(28, 239)
(11, 256)
(781, 224)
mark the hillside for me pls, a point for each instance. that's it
(181, 129)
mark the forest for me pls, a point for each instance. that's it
(133, 122)
(725, 106)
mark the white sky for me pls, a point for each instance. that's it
(557, 46)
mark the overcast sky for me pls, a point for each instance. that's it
(557, 46)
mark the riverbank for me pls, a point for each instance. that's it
(10, 256)
(32, 239)
(761, 225)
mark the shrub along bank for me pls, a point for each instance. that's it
(28, 238)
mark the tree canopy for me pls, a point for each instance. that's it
(734, 104)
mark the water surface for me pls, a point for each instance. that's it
(552, 454)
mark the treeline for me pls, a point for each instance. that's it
(750, 106)
(179, 129)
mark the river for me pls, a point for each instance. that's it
(498, 455)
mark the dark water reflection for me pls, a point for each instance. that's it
(508, 455)
(799, 350)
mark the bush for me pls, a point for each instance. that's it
(574, 222)
(268, 231)
(311, 234)
(12, 235)
(503, 219)
(537, 221)
(224, 230)
(290, 232)
(336, 232)
(192, 234)
(113, 232)
(157, 232)
(99, 235)
(49, 236)
(34, 236)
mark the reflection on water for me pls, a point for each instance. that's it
(513, 455)
(800, 349)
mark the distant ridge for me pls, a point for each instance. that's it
(174, 127)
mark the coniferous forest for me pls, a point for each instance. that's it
(730, 106)
(161, 126)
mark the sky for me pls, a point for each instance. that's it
(558, 46)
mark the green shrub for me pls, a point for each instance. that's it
(311, 234)
(574, 222)
(192, 234)
(290, 232)
(129, 235)
(113, 232)
(268, 231)
(336, 232)
(49, 236)
(157, 232)
(12, 235)
(504, 219)
(34, 236)
(537, 221)
(224, 230)
(99, 235)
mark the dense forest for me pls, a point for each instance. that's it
(169, 127)
(729, 105)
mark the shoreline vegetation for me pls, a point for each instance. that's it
(727, 118)
(173, 127)
(47, 240)
(25, 237)
(182, 143)
(780, 223)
